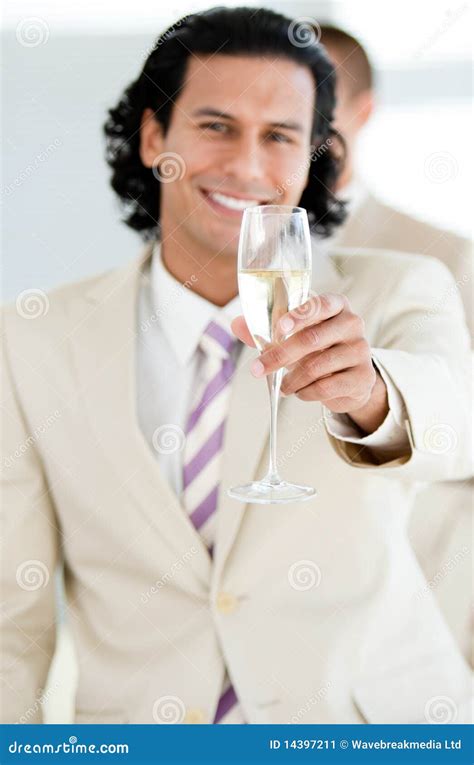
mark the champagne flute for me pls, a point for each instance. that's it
(274, 277)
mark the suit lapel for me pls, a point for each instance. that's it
(104, 348)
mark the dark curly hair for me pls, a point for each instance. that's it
(229, 31)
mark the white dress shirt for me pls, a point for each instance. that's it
(171, 321)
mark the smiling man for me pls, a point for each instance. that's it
(235, 152)
(186, 606)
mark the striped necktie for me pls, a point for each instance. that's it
(203, 456)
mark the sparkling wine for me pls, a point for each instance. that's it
(274, 269)
(266, 296)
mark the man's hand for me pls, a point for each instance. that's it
(328, 358)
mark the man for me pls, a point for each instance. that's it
(185, 605)
(441, 524)
(371, 222)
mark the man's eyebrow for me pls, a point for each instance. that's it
(207, 111)
(288, 126)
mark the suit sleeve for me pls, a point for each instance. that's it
(461, 266)
(422, 344)
(30, 547)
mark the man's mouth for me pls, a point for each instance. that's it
(229, 203)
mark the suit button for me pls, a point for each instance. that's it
(194, 717)
(226, 603)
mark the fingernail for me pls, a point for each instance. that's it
(287, 324)
(257, 368)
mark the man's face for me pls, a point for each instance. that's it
(242, 127)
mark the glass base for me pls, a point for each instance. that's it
(267, 493)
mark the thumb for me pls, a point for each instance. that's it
(240, 329)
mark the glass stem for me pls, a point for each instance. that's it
(274, 383)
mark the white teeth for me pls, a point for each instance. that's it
(232, 202)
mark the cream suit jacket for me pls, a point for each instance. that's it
(441, 522)
(319, 609)
(379, 226)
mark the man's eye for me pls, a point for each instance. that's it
(279, 138)
(216, 127)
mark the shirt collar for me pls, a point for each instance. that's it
(182, 314)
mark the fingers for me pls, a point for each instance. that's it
(317, 309)
(341, 390)
(342, 328)
(320, 364)
(240, 329)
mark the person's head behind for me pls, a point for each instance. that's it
(226, 110)
(354, 84)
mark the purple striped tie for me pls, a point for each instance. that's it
(202, 457)
(205, 429)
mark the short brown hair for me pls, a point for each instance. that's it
(358, 63)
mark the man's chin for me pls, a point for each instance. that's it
(228, 248)
(224, 241)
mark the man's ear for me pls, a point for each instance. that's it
(151, 138)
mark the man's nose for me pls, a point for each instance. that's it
(245, 159)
